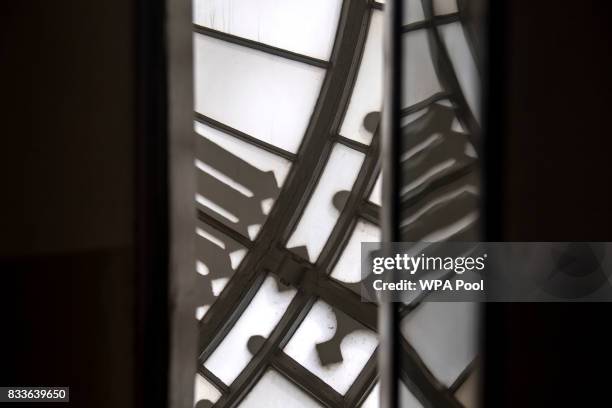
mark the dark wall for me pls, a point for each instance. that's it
(549, 179)
(67, 222)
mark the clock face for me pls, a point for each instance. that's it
(288, 99)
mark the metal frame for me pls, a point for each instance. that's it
(314, 282)
(182, 339)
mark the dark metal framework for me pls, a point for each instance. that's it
(267, 254)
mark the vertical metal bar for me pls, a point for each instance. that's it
(182, 281)
(388, 311)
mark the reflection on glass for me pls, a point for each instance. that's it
(445, 337)
(419, 76)
(463, 63)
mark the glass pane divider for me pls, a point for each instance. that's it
(434, 21)
(244, 137)
(279, 52)
(218, 225)
(213, 379)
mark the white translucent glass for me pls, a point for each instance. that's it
(413, 11)
(348, 267)
(303, 26)
(320, 215)
(468, 394)
(204, 390)
(367, 91)
(320, 326)
(463, 64)
(445, 336)
(376, 194)
(407, 400)
(251, 154)
(445, 6)
(373, 399)
(268, 97)
(275, 391)
(201, 311)
(259, 318)
(420, 79)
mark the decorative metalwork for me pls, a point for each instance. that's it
(266, 253)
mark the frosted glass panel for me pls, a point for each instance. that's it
(463, 63)
(444, 334)
(204, 390)
(303, 26)
(373, 400)
(348, 267)
(259, 318)
(253, 155)
(320, 214)
(367, 91)
(376, 194)
(413, 11)
(275, 391)
(420, 80)
(445, 6)
(407, 400)
(268, 97)
(320, 326)
(468, 394)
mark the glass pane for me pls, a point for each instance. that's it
(419, 79)
(367, 91)
(258, 158)
(237, 182)
(444, 6)
(413, 11)
(376, 194)
(433, 141)
(320, 214)
(320, 326)
(204, 390)
(268, 97)
(468, 394)
(463, 63)
(259, 318)
(303, 26)
(275, 391)
(407, 400)
(217, 257)
(445, 335)
(348, 268)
